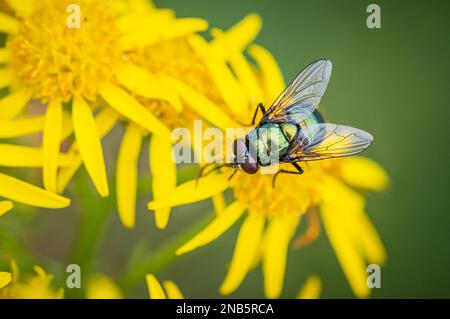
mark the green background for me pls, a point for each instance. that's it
(392, 82)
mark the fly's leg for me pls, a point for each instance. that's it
(261, 107)
(202, 173)
(284, 171)
(232, 175)
(312, 231)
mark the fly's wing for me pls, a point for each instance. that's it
(302, 96)
(325, 140)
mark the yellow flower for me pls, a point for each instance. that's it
(273, 215)
(72, 57)
(36, 286)
(156, 291)
(100, 286)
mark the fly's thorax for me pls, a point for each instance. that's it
(268, 143)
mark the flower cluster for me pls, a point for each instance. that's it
(131, 64)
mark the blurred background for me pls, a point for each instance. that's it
(392, 82)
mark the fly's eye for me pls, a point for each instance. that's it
(239, 150)
(249, 168)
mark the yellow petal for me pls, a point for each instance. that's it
(4, 55)
(51, 144)
(23, 192)
(89, 144)
(6, 77)
(201, 104)
(173, 292)
(369, 240)
(219, 203)
(5, 206)
(127, 166)
(26, 156)
(164, 175)
(105, 120)
(216, 228)
(311, 289)
(21, 127)
(244, 32)
(12, 104)
(184, 26)
(230, 89)
(279, 234)
(362, 172)
(341, 233)
(272, 77)
(21, 7)
(102, 287)
(155, 290)
(5, 278)
(132, 109)
(191, 192)
(247, 78)
(8, 24)
(246, 248)
(143, 83)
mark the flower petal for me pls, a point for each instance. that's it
(127, 165)
(164, 175)
(12, 104)
(216, 228)
(172, 290)
(243, 32)
(5, 278)
(143, 83)
(132, 109)
(369, 239)
(230, 89)
(23, 192)
(184, 26)
(26, 156)
(279, 233)
(89, 145)
(8, 24)
(21, 127)
(105, 120)
(102, 287)
(201, 104)
(219, 203)
(6, 77)
(191, 192)
(5, 206)
(21, 7)
(340, 228)
(362, 172)
(51, 144)
(246, 247)
(4, 55)
(270, 71)
(311, 289)
(155, 290)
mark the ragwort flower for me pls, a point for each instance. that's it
(273, 215)
(71, 56)
(36, 286)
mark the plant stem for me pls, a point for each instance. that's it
(155, 261)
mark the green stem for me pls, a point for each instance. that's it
(95, 212)
(154, 262)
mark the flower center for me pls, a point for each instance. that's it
(292, 194)
(57, 61)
